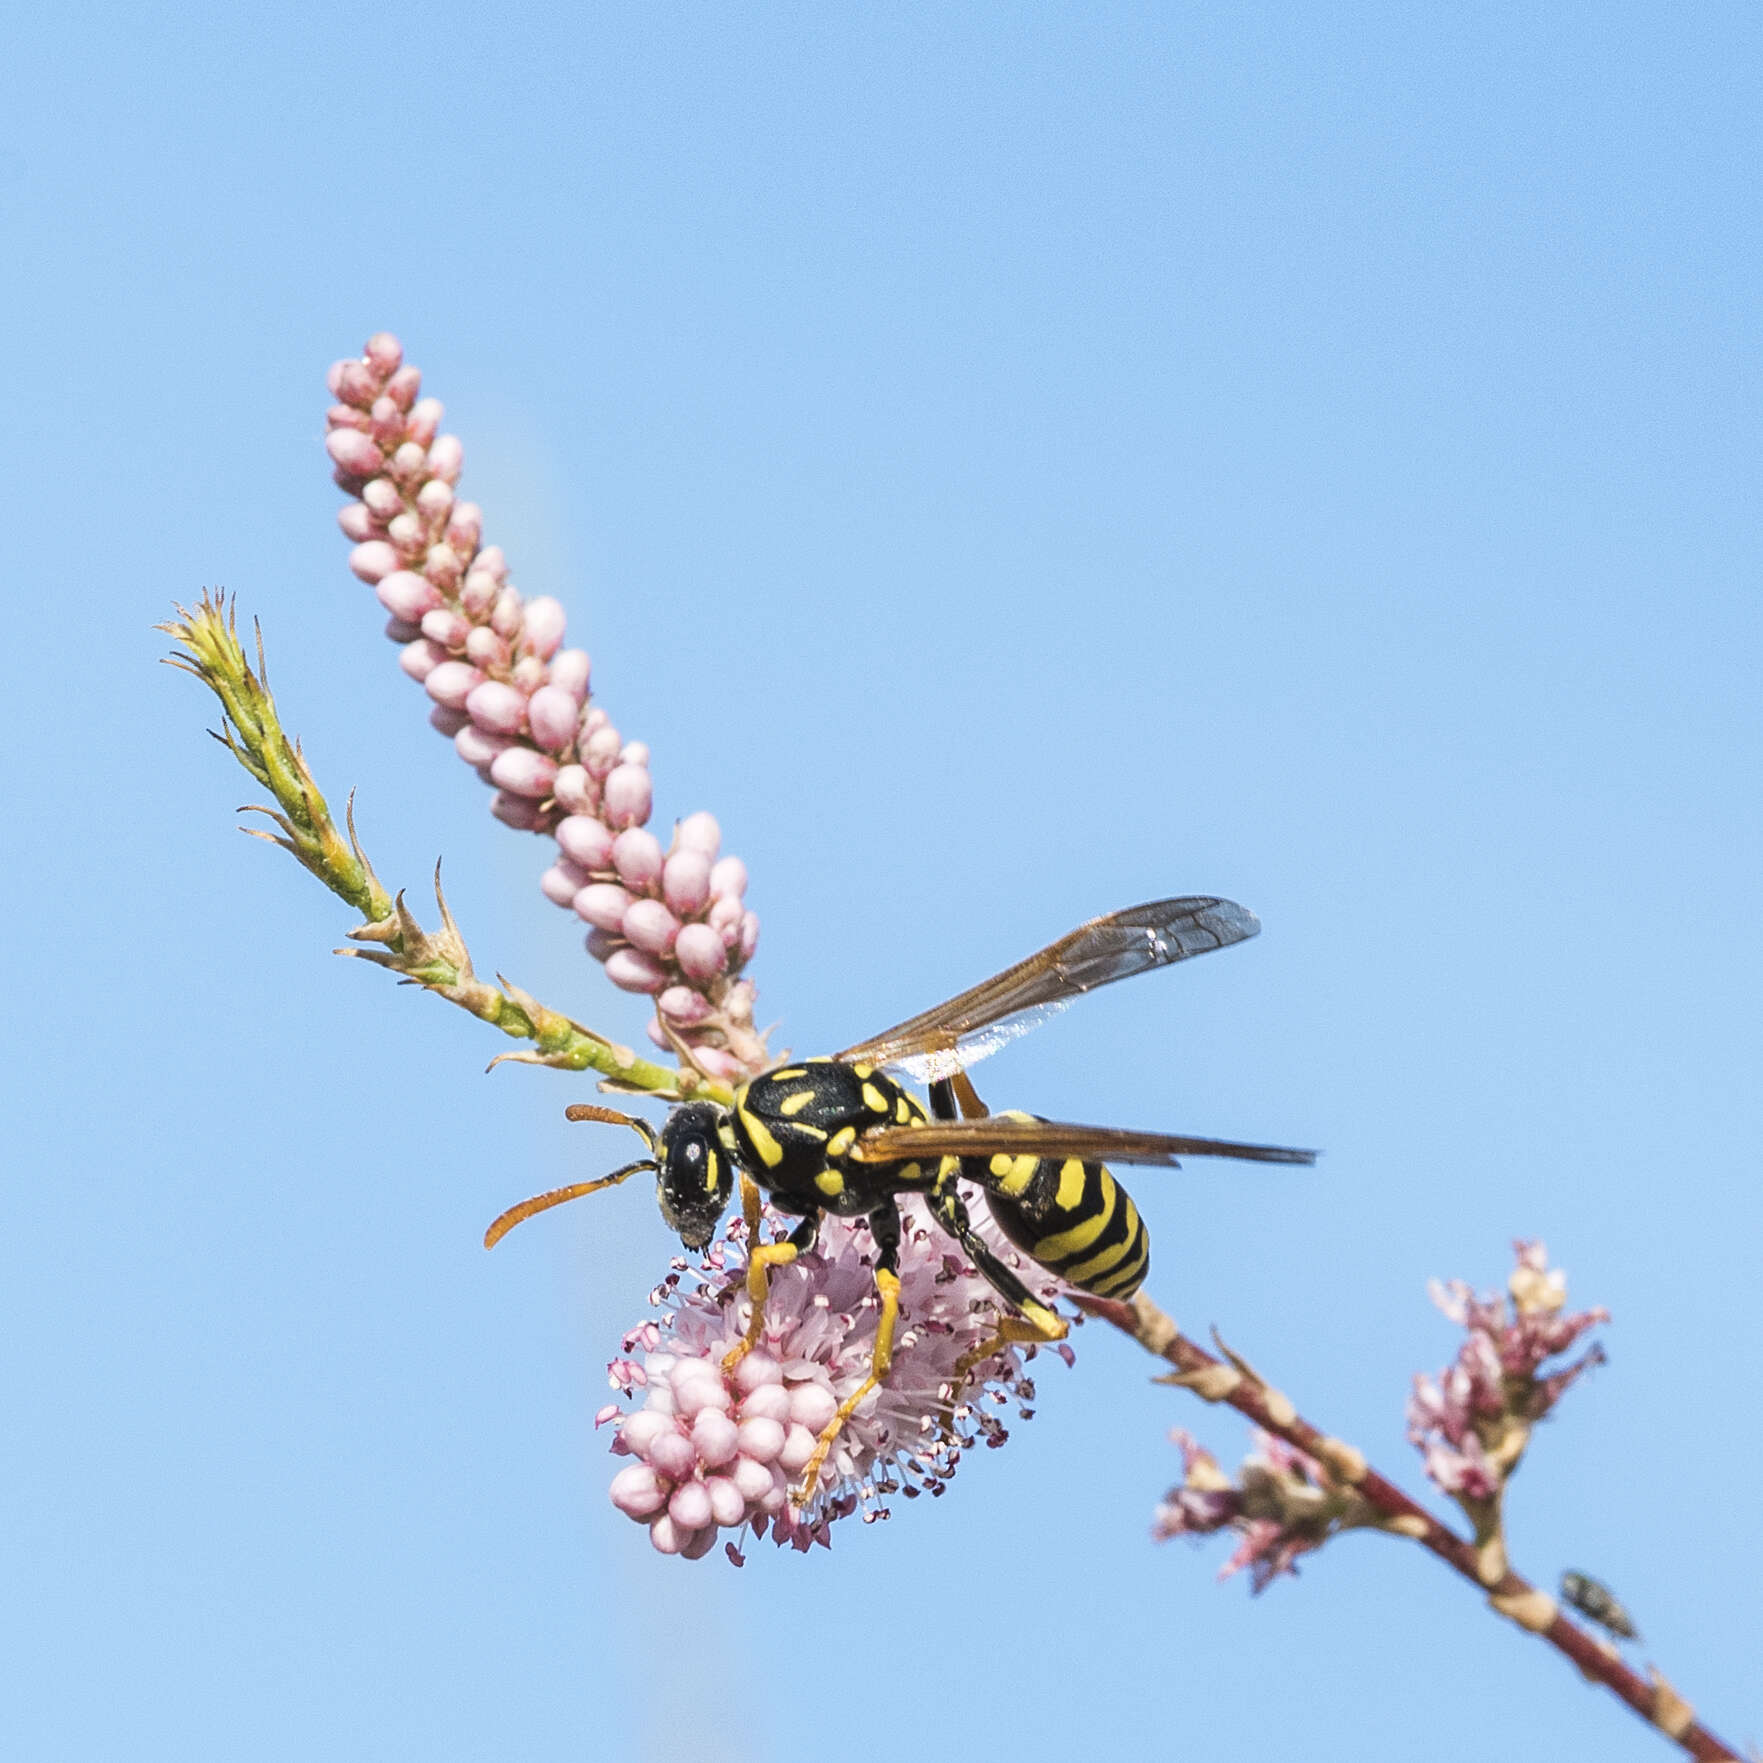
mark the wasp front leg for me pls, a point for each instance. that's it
(884, 1227)
(761, 1258)
(1033, 1320)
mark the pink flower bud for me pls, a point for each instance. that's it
(478, 594)
(593, 719)
(333, 375)
(672, 1455)
(725, 919)
(486, 648)
(635, 1491)
(434, 500)
(346, 416)
(407, 533)
(729, 878)
(353, 452)
(699, 952)
(425, 421)
(812, 1405)
(699, 832)
(602, 944)
(768, 1402)
(408, 466)
(635, 753)
(505, 615)
(749, 935)
(583, 839)
(358, 523)
(627, 798)
(491, 558)
(421, 658)
(756, 1371)
(751, 1477)
(682, 1005)
(713, 1432)
(690, 1506)
(494, 707)
(545, 620)
(602, 904)
(403, 386)
(716, 1062)
(798, 1448)
(685, 882)
(401, 633)
(448, 722)
(728, 1506)
(385, 354)
(761, 1440)
(373, 560)
(383, 497)
(528, 673)
(633, 971)
(452, 683)
(574, 794)
(386, 422)
(442, 565)
(656, 1033)
(523, 772)
(551, 714)
(519, 812)
(406, 595)
(636, 854)
(446, 458)
(444, 626)
(477, 748)
(600, 751)
(643, 1428)
(466, 528)
(355, 383)
(561, 883)
(666, 1536)
(650, 926)
(569, 673)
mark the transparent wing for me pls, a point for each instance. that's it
(975, 1025)
(1054, 1138)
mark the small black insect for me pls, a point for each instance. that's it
(1592, 1598)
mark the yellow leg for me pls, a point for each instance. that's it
(761, 1258)
(887, 1283)
(1042, 1326)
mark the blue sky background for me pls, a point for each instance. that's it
(1009, 462)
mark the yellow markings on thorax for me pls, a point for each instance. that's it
(1013, 1174)
(862, 1073)
(1065, 1243)
(793, 1104)
(841, 1141)
(771, 1153)
(780, 1077)
(874, 1100)
(830, 1183)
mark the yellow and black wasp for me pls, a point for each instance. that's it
(840, 1135)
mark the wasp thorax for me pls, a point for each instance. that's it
(694, 1178)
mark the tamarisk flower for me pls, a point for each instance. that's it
(514, 701)
(1282, 1505)
(1473, 1421)
(711, 1452)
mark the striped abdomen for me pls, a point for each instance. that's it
(1072, 1217)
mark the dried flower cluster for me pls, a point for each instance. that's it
(1281, 1505)
(712, 1452)
(670, 923)
(1472, 1422)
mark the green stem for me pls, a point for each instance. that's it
(437, 961)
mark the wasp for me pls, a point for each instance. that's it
(840, 1135)
(1592, 1598)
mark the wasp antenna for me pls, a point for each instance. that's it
(544, 1202)
(611, 1117)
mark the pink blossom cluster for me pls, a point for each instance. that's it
(1470, 1422)
(711, 1452)
(1281, 1506)
(671, 922)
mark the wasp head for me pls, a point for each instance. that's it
(694, 1177)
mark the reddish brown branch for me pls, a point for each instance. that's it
(1232, 1380)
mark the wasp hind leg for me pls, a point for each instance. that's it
(884, 1226)
(1033, 1321)
(761, 1258)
